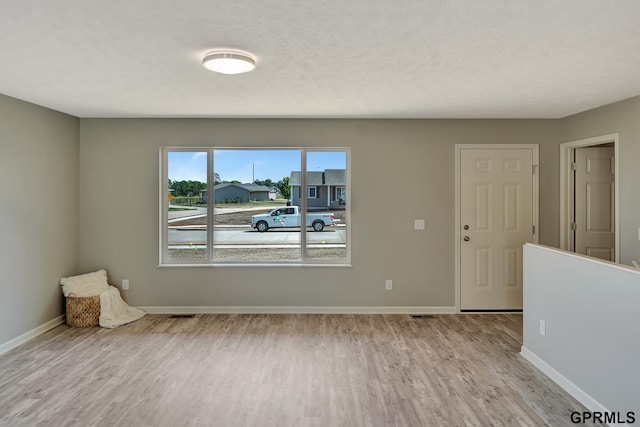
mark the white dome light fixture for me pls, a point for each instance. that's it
(227, 61)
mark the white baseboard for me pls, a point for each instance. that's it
(580, 395)
(39, 330)
(295, 310)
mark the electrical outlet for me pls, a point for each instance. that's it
(388, 285)
(543, 328)
(125, 284)
(418, 224)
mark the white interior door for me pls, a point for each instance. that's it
(496, 219)
(594, 202)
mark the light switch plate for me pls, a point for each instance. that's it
(418, 224)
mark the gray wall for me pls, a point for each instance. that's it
(622, 117)
(590, 309)
(117, 214)
(38, 213)
(119, 208)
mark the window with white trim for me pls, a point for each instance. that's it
(217, 206)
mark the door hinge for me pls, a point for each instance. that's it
(533, 229)
(533, 169)
(574, 226)
(574, 166)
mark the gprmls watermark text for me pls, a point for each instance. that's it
(604, 417)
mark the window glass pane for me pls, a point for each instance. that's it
(246, 205)
(311, 192)
(251, 194)
(327, 210)
(187, 206)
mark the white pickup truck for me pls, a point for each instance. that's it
(290, 217)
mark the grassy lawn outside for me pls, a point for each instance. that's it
(173, 209)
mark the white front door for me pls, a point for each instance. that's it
(496, 217)
(594, 202)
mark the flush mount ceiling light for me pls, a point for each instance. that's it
(228, 61)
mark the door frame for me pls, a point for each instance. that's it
(458, 225)
(566, 186)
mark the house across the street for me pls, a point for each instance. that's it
(240, 193)
(325, 189)
(274, 193)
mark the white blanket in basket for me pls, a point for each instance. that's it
(114, 311)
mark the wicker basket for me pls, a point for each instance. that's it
(83, 312)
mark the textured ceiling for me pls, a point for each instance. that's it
(333, 58)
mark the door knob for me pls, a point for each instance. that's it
(466, 238)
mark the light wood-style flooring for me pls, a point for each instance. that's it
(282, 370)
